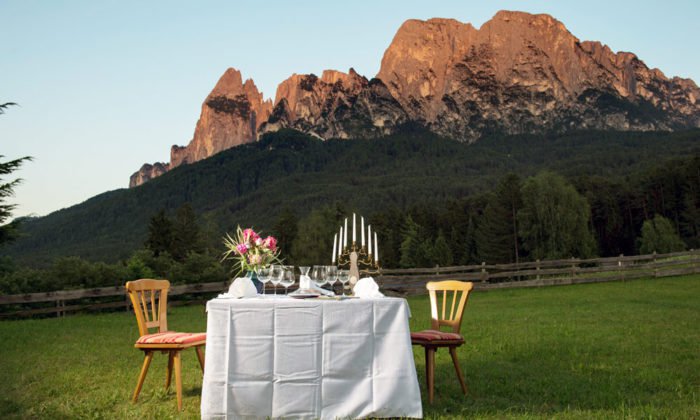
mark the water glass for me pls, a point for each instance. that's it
(264, 275)
(343, 278)
(331, 275)
(288, 278)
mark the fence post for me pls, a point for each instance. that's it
(573, 267)
(437, 269)
(653, 264)
(484, 276)
(621, 267)
(537, 268)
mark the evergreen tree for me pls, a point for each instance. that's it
(314, 240)
(285, 230)
(8, 231)
(497, 234)
(410, 244)
(442, 254)
(186, 235)
(160, 234)
(658, 235)
(554, 219)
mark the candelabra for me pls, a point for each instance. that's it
(353, 255)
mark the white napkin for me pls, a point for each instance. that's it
(366, 287)
(305, 283)
(242, 287)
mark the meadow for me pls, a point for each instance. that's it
(608, 350)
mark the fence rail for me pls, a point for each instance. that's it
(399, 281)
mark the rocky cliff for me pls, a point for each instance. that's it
(518, 73)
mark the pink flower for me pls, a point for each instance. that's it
(242, 248)
(271, 243)
(250, 235)
(254, 259)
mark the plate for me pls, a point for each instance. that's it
(304, 295)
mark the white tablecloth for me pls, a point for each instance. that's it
(327, 359)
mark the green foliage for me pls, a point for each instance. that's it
(274, 183)
(160, 234)
(497, 235)
(285, 230)
(441, 252)
(554, 219)
(658, 235)
(313, 242)
(410, 244)
(8, 231)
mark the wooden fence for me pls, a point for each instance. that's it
(393, 281)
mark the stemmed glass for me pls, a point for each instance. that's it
(277, 274)
(318, 275)
(343, 278)
(331, 275)
(288, 278)
(264, 275)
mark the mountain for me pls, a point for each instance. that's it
(252, 185)
(518, 73)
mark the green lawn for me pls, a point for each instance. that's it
(611, 350)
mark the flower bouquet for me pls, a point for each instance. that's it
(250, 252)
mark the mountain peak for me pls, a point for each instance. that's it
(517, 73)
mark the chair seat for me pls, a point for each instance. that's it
(435, 337)
(171, 337)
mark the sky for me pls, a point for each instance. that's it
(105, 86)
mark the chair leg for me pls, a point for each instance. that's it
(453, 353)
(200, 357)
(178, 378)
(169, 375)
(142, 376)
(430, 372)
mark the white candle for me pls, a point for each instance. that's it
(369, 234)
(376, 248)
(340, 240)
(345, 232)
(362, 229)
(354, 229)
(335, 243)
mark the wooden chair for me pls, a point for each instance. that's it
(150, 301)
(433, 338)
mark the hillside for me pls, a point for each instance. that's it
(251, 184)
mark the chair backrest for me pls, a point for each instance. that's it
(439, 315)
(150, 301)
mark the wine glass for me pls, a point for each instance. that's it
(343, 278)
(264, 275)
(331, 275)
(288, 278)
(277, 274)
(317, 274)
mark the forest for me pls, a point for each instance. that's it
(432, 201)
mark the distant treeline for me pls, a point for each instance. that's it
(431, 200)
(540, 217)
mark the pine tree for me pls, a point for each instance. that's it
(410, 244)
(8, 231)
(497, 238)
(186, 235)
(442, 254)
(160, 234)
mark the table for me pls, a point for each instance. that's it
(310, 358)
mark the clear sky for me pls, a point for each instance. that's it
(105, 86)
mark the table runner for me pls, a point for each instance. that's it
(312, 358)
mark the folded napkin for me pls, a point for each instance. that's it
(367, 288)
(242, 287)
(306, 284)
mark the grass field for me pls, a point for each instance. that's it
(610, 350)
